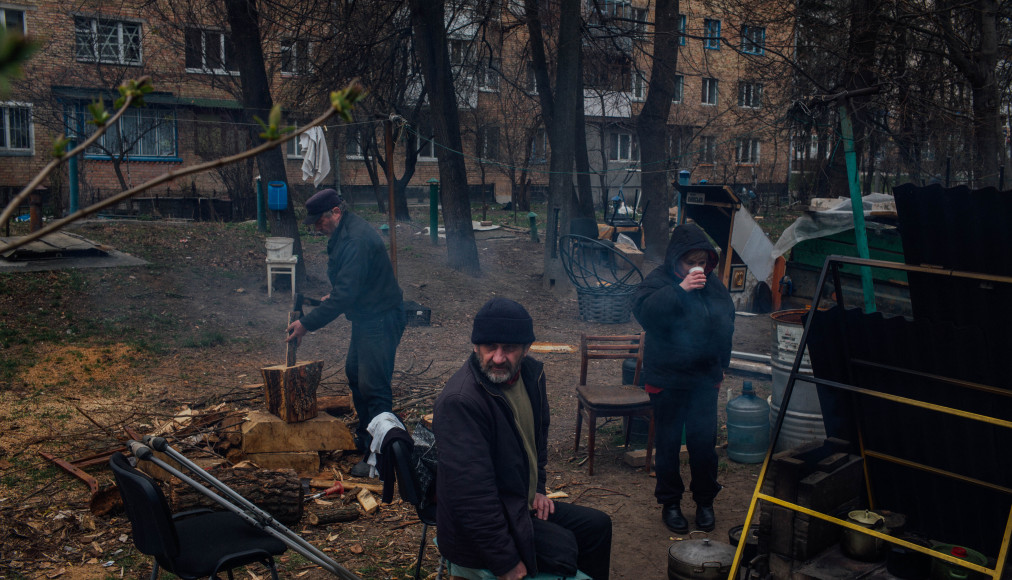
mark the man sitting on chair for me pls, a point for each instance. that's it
(491, 426)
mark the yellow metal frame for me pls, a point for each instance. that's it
(832, 262)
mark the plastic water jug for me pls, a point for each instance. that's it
(277, 195)
(748, 426)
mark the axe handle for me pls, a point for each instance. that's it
(291, 345)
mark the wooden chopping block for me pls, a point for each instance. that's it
(290, 391)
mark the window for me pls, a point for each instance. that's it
(676, 97)
(423, 142)
(108, 41)
(539, 146)
(13, 20)
(292, 149)
(640, 15)
(753, 39)
(458, 51)
(681, 29)
(639, 87)
(609, 74)
(711, 34)
(488, 75)
(295, 57)
(488, 143)
(16, 133)
(709, 91)
(353, 148)
(209, 51)
(532, 79)
(622, 147)
(747, 151)
(147, 132)
(675, 145)
(707, 149)
(750, 95)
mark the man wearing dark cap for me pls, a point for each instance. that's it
(364, 289)
(491, 426)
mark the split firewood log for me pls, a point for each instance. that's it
(331, 514)
(276, 491)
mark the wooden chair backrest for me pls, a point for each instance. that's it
(615, 346)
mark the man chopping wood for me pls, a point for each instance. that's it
(364, 289)
(491, 426)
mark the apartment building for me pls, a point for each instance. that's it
(720, 119)
(725, 122)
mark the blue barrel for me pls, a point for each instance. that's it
(277, 195)
(683, 177)
(748, 427)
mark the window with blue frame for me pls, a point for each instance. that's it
(711, 34)
(753, 39)
(148, 133)
(681, 29)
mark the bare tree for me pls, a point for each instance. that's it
(429, 25)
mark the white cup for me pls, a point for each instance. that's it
(696, 269)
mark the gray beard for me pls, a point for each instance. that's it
(499, 376)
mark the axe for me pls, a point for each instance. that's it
(295, 314)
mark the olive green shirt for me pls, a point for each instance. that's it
(523, 414)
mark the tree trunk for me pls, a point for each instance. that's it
(560, 120)
(277, 492)
(585, 194)
(651, 128)
(244, 21)
(430, 41)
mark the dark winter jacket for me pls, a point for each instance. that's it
(483, 519)
(688, 341)
(361, 276)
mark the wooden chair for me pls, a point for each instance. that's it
(611, 399)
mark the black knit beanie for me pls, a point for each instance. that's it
(502, 321)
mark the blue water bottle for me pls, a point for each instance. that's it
(748, 426)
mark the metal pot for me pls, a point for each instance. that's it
(942, 570)
(693, 559)
(751, 541)
(861, 546)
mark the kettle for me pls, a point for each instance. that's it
(860, 546)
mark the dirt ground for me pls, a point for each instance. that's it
(195, 326)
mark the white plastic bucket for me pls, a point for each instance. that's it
(279, 248)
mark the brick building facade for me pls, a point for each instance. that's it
(720, 124)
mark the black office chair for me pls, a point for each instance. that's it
(412, 492)
(194, 544)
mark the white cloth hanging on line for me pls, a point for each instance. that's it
(315, 157)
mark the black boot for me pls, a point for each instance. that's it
(671, 515)
(705, 520)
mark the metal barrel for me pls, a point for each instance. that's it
(803, 422)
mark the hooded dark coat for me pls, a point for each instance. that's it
(688, 340)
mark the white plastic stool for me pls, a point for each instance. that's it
(277, 266)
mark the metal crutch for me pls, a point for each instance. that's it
(245, 509)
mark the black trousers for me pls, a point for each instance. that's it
(574, 535)
(694, 409)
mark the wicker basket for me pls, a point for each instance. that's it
(607, 305)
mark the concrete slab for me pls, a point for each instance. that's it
(60, 251)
